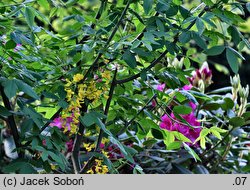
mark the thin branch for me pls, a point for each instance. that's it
(156, 61)
(51, 119)
(215, 146)
(223, 157)
(107, 43)
(46, 124)
(138, 113)
(77, 144)
(139, 36)
(106, 110)
(11, 120)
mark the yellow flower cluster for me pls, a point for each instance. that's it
(77, 93)
(88, 146)
(99, 166)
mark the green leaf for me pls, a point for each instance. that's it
(200, 95)
(122, 148)
(129, 58)
(236, 53)
(181, 169)
(200, 169)
(36, 117)
(204, 132)
(91, 118)
(44, 155)
(211, 106)
(44, 3)
(145, 124)
(187, 63)
(185, 37)
(135, 44)
(26, 126)
(233, 31)
(10, 88)
(203, 142)
(215, 133)
(181, 137)
(147, 5)
(10, 44)
(248, 6)
(189, 96)
(208, 2)
(216, 50)
(170, 137)
(26, 89)
(4, 112)
(232, 60)
(218, 129)
(184, 12)
(182, 110)
(189, 19)
(29, 16)
(40, 15)
(200, 25)
(172, 11)
(174, 145)
(143, 75)
(137, 169)
(157, 133)
(191, 152)
(237, 121)
(200, 41)
(22, 167)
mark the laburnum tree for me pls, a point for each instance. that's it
(123, 86)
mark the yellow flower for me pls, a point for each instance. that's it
(90, 171)
(69, 94)
(68, 84)
(106, 96)
(88, 146)
(78, 77)
(53, 166)
(106, 75)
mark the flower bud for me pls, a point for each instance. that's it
(176, 63)
(244, 92)
(235, 82)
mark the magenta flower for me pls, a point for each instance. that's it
(160, 87)
(18, 47)
(192, 105)
(166, 123)
(203, 74)
(154, 103)
(187, 87)
(57, 122)
(69, 145)
(191, 134)
(62, 123)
